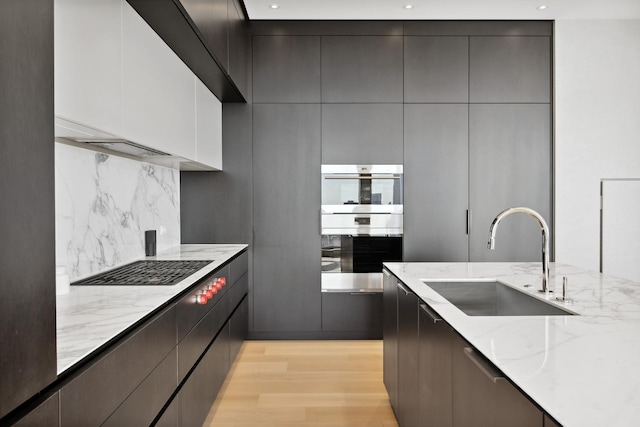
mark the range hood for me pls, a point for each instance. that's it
(124, 146)
(77, 132)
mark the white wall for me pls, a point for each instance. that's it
(597, 83)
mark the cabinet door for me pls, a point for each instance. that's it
(195, 343)
(362, 69)
(436, 69)
(436, 182)
(27, 211)
(238, 327)
(286, 189)
(510, 69)
(144, 404)
(353, 312)
(510, 165)
(286, 69)
(199, 391)
(210, 16)
(483, 397)
(362, 134)
(45, 414)
(159, 90)
(435, 390)
(408, 348)
(238, 267)
(390, 336)
(88, 63)
(238, 291)
(91, 397)
(208, 127)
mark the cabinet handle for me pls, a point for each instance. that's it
(468, 221)
(487, 368)
(432, 314)
(364, 293)
(406, 292)
(386, 273)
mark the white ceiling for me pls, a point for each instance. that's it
(443, 9)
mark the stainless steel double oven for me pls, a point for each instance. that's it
(361, 224)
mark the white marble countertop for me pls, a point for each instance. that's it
(90, 316)
(583, 370)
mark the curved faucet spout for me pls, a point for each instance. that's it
(545, 238)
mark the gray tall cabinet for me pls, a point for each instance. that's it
(286, 291)
(477, 139)
(286, 185)
(27, 246)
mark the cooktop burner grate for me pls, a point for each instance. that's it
(149, 273)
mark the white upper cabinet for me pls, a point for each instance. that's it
(208, 127)
(116, 78)
(88, 63)
(158, 90)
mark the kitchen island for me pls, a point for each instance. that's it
(581, 369)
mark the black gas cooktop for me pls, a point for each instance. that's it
(149, 273)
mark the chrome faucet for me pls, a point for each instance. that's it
(545, 238)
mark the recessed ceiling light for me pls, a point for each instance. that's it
(542, 7)
(408, 6)
(274, 6)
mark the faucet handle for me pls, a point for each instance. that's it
(565, 289)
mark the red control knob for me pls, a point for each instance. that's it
(223, 280)
(209, 293)
(201, 298)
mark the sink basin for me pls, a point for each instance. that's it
(492, 298)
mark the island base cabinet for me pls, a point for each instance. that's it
(408, 400)
(435, 389)
(480, 401)
(390, 337)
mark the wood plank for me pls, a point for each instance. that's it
(304, 383)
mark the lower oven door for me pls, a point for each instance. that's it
(354, 263)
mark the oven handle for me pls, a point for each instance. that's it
(361, 177)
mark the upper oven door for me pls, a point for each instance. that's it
(362, 188)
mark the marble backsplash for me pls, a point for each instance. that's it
(104, 203)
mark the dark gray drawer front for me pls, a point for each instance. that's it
(343, 311)
(238, 267)
(199, 391)
(189, 312)
(91, 397)
(170, 416)
(192, 346)
(46, 414)
(238, 291)
(144, 404)
(238, 327)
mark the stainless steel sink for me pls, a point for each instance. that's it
(492, 298)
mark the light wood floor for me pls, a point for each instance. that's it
(304, 383)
